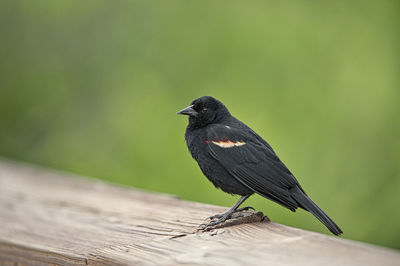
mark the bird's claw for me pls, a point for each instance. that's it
(221, 219)
(215, 222)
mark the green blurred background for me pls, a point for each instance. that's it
(92, 87)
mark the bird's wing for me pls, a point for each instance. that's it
(252, 163)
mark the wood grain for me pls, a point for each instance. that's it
(49, 217)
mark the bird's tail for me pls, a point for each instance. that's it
(310, 206)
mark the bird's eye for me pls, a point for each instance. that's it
(204, 110)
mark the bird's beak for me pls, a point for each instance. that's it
(188, 111)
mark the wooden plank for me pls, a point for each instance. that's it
(50, 217)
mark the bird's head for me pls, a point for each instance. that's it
(205, 110)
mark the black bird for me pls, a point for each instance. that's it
(238, 161)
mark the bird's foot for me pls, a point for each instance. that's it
(219, 216)
(235, 218)
(215, 220)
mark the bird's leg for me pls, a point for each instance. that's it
(223, 217)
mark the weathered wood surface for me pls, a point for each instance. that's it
(49, 217)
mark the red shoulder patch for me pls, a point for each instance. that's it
(226, 143)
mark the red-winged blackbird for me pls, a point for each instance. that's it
(238, 161)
